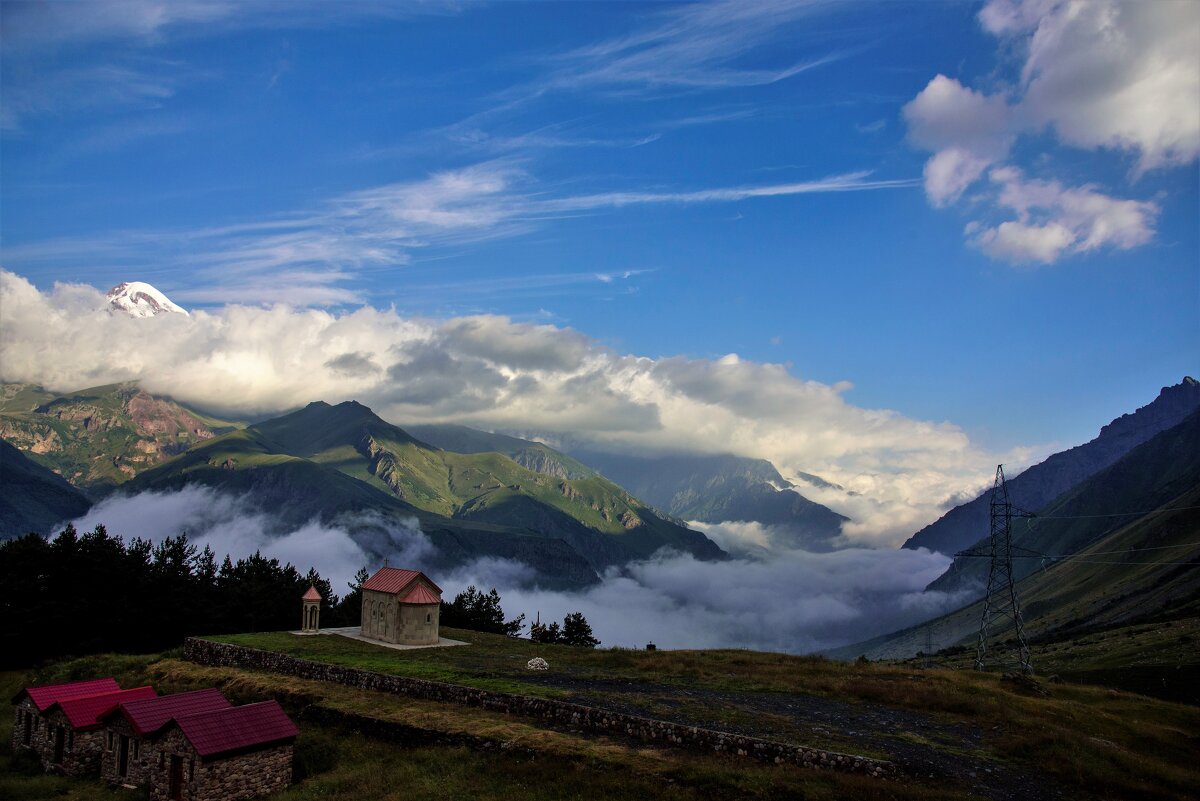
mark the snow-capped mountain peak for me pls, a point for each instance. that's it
(139, 299)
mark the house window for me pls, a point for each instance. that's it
(428, 617)
(111, 737)
(191, 770)
(70, 739)
(137, 749)
(162, 759)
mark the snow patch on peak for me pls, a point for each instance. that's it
(139, 299)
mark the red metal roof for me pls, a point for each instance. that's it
(85, 713)
(238, 728)
(46, 695)
(150, 715)
(311, 595)
(393, 579)
(420, 594)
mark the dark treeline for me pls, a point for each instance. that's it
(87, 593)
(80, 594)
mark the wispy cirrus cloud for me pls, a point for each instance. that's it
(695, 46)
(308, 257)
(35, 35)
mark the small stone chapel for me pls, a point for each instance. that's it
(401, 606)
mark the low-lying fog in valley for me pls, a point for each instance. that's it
(789, 600)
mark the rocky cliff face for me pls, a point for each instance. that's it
(964, 525)
(102, 437)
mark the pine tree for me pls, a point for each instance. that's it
(577, 631)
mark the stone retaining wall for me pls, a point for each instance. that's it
(574, 716)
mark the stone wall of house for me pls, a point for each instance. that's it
(576, 716)
(231, 778)
(141, 754)
(37, 727)
(385, 618)
(418, 624)
(82, 750)
(378, 611)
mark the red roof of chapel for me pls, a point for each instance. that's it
(420, 594)
(47, 694)
(393, 580)
(149, 715)
(311, 595)
(238, 728)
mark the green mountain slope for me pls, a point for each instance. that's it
(532, 455)
(603, 522)
(716, 489)
(1129, 569)
(1147, 477)
(296, 490)
(99, 438)
(33, 498)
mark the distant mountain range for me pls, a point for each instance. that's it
(1123, 548)
(964, 525)
(725, 488)
(708, 489)
(334, 463)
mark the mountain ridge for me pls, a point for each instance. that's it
(1036, 486)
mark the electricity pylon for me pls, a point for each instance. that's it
(1000, 605)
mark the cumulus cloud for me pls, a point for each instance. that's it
(493, 373)
(1052, 219)
(1101, 75)
(794, 602)
(1106, 73)
(967, 131)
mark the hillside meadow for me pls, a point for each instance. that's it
(955, 734)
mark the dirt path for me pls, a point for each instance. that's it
(921, 745)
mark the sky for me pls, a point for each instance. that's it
(890, 243)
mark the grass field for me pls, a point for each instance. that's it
(982, 737)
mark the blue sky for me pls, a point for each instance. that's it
(1008, 249)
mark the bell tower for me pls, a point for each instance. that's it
(311, 622)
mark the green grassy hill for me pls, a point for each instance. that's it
(101, 437)
(1128, 570)
(957, 735)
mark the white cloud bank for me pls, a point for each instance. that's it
(795, 602)
(1108, 75)
(491, 372)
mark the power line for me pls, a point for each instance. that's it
(1113, 514)
(1080, 556)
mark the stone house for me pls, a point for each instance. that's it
(75, 736)
(401, 606)
(130, 731)
(29, 725)
(224, 755)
